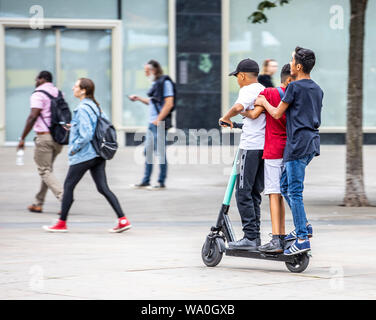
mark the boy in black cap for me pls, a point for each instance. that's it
(250, 179)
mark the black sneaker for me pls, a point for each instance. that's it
(140, 185)
(274, 246)
(159, 186)
(245, 244)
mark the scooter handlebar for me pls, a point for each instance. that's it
(236, 125)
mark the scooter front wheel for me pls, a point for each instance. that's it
(212, 255)
(300, 263)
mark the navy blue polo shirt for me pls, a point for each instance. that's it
(303, 118)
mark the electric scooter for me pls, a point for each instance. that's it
(215, 243)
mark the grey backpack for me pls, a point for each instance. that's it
(104, 140)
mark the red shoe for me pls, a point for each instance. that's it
(123, 225)
(60, 226)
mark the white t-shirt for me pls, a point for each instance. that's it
(253, 135)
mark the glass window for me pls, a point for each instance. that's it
(27, 52)
(72, 9)
(145, 34)
(277, 39)
(87, 54)
(370, 67)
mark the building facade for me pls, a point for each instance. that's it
(197, 42)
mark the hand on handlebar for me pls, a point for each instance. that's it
(225, 123)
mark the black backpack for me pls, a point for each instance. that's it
(60, 112)
(104, 139)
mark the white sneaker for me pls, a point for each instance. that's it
(157, 187)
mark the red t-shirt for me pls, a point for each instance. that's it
(275, 130)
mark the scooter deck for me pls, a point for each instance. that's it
(259, 255)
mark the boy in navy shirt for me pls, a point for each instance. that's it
(302, 103)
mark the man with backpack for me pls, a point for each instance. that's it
(161, 101)
(44, 102)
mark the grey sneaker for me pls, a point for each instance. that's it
(140, 185)
(274, 246)
(245, 244)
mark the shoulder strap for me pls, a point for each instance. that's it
(46, 93)
(281, 93)
(100, 111)
(40, 114)
(49, 96)
(155, 107)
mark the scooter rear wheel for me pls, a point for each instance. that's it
(300, 263)
(214, 255)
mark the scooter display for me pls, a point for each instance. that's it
(215, 243)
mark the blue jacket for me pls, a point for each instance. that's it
(84, 122)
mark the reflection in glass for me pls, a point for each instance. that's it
(369, 83)
(87, 54)
(27, 52)
(145, 34)
(277, 39)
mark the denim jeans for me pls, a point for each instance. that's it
(292, 185)
(155, 145)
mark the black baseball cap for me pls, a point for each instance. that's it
(246, 65)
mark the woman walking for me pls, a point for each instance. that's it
(83, 158)
(269, 68)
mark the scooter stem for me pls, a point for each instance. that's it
(231, 182)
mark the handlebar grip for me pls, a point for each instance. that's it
(236, 125)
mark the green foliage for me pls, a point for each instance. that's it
(259, 15)
(266, 5)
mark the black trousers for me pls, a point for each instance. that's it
(97, 171)
(249, 185)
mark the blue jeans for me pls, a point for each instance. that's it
(155, 144)
(292, 185)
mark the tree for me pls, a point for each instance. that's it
(355, 195)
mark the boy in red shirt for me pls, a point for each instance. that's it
(275, 141)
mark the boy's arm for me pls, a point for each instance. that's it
(233, 112)
(276, 113)
(253, 114)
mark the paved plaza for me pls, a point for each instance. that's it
(160, 257)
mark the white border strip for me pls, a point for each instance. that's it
(225, 56)
(172, 46)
